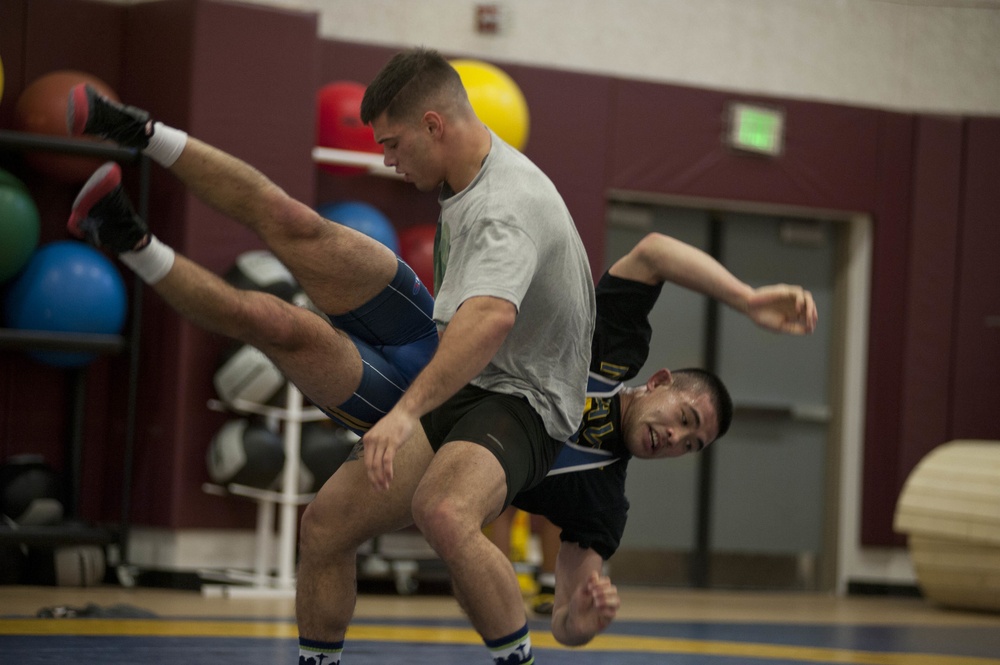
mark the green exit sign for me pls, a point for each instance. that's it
(757, 129)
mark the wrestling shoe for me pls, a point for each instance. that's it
(91, 113)
(103, 216)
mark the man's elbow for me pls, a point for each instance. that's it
(502, 315)
(563, 635)
(572, 641)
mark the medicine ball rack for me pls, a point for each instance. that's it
(76, 532)
(372, 162)
(262, 583)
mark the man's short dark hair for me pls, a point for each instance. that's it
(694, 379)
(407, 82)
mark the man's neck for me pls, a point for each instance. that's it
(626, 396)
(473, 147)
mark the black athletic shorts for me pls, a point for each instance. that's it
(506, 425)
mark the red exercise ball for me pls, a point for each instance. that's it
(41, 109)
(416, 247)
(338, 123)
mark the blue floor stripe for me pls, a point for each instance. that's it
(114, 650)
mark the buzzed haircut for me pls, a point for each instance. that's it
(696, 380)
(407, 83)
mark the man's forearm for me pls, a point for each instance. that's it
(470, 341)
(658, 258)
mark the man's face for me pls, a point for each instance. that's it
(409, 149)
(666, 422)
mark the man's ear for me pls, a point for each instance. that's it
(433, 122)
(661, 377)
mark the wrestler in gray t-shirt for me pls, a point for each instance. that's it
(509, 235)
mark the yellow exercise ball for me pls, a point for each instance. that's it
(496, 99)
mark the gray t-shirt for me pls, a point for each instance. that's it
(509, 235)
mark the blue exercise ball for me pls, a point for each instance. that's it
(67, 286)
(362, 217)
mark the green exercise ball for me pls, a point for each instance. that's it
(19, 226)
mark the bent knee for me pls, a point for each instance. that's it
(315, 530)
(443, 522)
(297, 221)
(277, 326)
(326, 532)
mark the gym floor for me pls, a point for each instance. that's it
(655, 626)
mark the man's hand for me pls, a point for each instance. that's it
(468, 344)
(593, 606)
(381, 443)
(783, 308)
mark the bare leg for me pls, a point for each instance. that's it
(317, 358)
(339, 268)
(499, 530)
(346, 513)
(462, 490)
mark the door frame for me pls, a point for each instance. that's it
(842, 558)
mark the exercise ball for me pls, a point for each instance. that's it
(245, 373)
(496, 99)
(338, 123)
(323, 447)
(19, 225)
(245, 453)
(67, 286)
(416, 247)
(30, 491)
(362, 217)
(41, 109)
(949, 509)
(260, 270)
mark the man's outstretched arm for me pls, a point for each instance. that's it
(658, 258)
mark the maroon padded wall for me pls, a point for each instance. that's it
(668, 139)
(930, 306)
(907, 406)
(883, 412)
(976, 379)
(161, 59)
(241, 78)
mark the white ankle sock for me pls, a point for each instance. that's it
(165, 145)
(152, 262)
